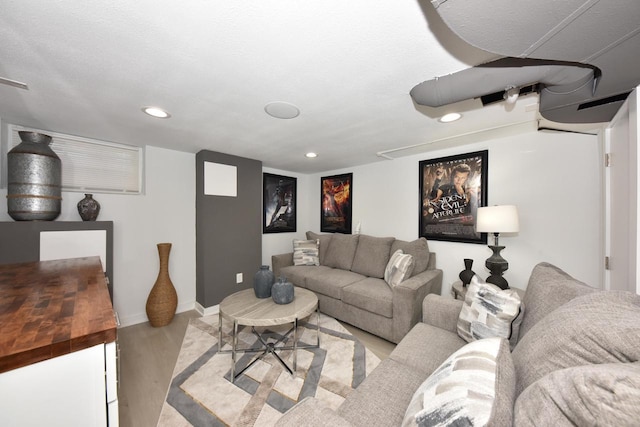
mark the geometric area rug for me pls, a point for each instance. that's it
(200, 393)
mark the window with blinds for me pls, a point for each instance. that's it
(89, 165)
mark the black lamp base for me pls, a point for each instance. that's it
(497, 266)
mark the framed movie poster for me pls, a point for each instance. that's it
(336, 197)
(278, 203)
(451, 191)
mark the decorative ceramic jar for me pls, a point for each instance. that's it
(163, 299)
(467, 274)
(88, 208)
(282, 291)
(262, 282)
(34, 178)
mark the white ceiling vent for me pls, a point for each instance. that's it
(93, 166)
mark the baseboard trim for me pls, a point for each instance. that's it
(215, 309)
(142, 317)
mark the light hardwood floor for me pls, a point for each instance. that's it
(148, 356)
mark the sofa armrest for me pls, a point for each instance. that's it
(311, 412)
(407, 300)
(441, 312)
(279, 261)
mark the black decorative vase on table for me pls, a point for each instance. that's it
(88, 208)
(467, 274)
(262, 282)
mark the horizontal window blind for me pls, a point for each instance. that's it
(89, 165)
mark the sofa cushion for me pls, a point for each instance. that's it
(473, 387)
(600, 327)
(298, 274)
(370, 294)
(331, 281)
(399, 268)
(341, 251)
(305, 252)
(382, 398)
(488, 311)
(549, 287)
(425, 347)
(588, 395)
(419, 249)
(324, 239)
(372, 255)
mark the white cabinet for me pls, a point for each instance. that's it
(76, 389)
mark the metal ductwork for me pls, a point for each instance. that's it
(579, 36)
(560, 78)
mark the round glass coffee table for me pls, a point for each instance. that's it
(245, 309)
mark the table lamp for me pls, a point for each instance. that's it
(496, 220)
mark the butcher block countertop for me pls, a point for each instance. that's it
(52, 308)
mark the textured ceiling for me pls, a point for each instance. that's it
(348, 65)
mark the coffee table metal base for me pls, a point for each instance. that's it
(266, 347)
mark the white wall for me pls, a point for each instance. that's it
(165, 213)
(554, 178)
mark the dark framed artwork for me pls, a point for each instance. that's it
(451, 191)
(278, 203)
(336, 193)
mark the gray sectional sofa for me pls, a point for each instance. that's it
(575, 362)
(350, 286)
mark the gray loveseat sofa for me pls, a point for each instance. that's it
(575, 362)
(350, 286)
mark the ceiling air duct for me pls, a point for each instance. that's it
(601, 34)
(561, 80)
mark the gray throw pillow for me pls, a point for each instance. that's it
(489, 311)
(324, 239)
(600, 327)
(418, 249)
(399, 268)
(588, 395)
(305, 252)
(473, 387)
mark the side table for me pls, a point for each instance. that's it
(457, 290)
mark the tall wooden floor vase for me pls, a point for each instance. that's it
(163, 299)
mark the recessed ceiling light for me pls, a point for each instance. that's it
(311, 155)
(282, 110)
(156, 112)
(451, 117)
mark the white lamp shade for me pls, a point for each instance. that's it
(498, 219)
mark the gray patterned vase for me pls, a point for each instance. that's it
(262, 282)
(88, 208)
(282, 291)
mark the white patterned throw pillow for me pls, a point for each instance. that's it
(489, 311)
(399, 267)
(305, 252)
(475, 386)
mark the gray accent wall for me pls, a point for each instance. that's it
(228, 230)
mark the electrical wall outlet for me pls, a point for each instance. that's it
(238, 277)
